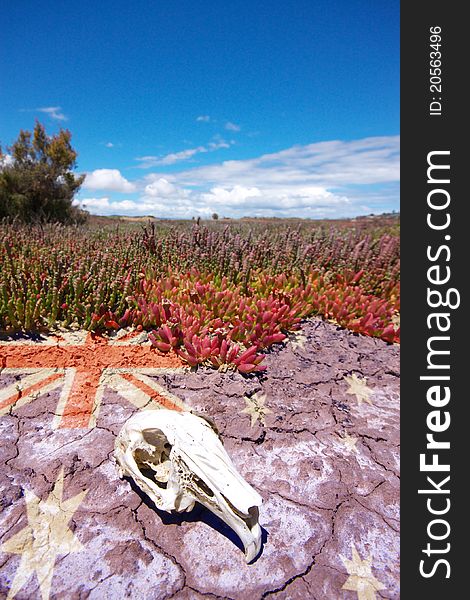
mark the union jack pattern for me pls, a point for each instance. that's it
(83, 365)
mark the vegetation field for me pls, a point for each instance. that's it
(219, 292)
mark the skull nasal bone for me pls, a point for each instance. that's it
(245, 514)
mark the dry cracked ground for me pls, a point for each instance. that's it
(317, 436)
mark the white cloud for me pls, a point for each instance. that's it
(160, 188)
(109, 145)
(236, 196)
(232, 126)
(217, 145)
(108, 179)
(94, 204)
(327, 164)
(103, 206)
(325, 179)
(203, 118)
(54, 112)
(284, 202)
(233, 203)
(147, 162)
(174, 157)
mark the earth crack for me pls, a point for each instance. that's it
(375, 459)
(296, 502)
(297, 576)
(159, 548)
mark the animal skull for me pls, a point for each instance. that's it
(177, 458)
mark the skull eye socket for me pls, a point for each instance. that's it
(153, 460)
(154, 437)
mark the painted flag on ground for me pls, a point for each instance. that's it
(317, 436)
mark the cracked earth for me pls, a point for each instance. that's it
(325, 461)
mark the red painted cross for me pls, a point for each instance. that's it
(83, 366)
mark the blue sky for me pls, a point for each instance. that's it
(186, 108)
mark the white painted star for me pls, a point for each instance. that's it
(45, 537)
(361, 578)
(255, 408)
(358, 387)
(297, 340)
(349, 442)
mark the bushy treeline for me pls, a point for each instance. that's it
(37, 183)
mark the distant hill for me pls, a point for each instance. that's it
(359, 222)
(134, 219)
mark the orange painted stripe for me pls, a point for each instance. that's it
(97, 354)
(154, 395)
(30, 390)
(80, 401)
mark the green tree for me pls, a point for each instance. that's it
(36, 178)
